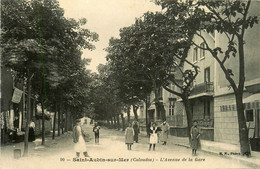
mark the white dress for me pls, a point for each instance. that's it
(153, 136)
(80, 146)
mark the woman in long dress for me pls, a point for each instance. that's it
(153, 136)
(195, 137)
(164, 132)
(31, 137)
(80, 145)
(136, 130)
(129, 136)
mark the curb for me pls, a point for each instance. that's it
(250, 164)
(223, 156)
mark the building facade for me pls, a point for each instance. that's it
(14, 108)
(212, 98)
(225, 115)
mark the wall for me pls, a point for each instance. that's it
(252, 50)
(208, 61)
(6, 88)
(226, 123)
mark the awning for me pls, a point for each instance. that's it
(253, 86)
(197, 96)
(251, 102)
(151, 107)
(252, 98)
(200, 95)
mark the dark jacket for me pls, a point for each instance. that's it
(96, 129)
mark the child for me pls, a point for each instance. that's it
(153, 136)
(195, 137)
(96, 131)
(129, 136)
(80, 145)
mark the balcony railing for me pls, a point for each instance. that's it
(206, 87)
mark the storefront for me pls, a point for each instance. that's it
(12, 118)
(252, 111)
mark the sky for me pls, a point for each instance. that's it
(105, 17)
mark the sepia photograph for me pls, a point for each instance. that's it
(125, 84)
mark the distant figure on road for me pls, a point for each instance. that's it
(195, 137)
(164, 133)
(96, 129)
(136, 130)
(31, 137)
(153, 136)
(129, 136)
(80, 145)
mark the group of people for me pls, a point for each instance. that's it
(132, 131)
(80, 137)
(131, 136)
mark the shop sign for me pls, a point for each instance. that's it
(17, 95)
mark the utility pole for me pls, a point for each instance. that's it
(146, 115)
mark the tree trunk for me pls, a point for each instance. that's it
(43, 121)
(162, 111)
(5, 129)
(146, 117)
(28, 116)
(123, 121)
(156, 101)
(135, 108)
(189, 114)
(59, 120)
(62, 122)
(118, 123)
(243, 131)
(54, 122)
(114, 118)
(66, 121)
(112, 123)
(69, 121)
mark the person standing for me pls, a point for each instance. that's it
(96, 129)
(80, 145)
(164, 133)
(129, 136)
(153, 136)
(136, 130)
(31, 137)
(195, 137)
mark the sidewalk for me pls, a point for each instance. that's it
(229, 151)
(35, 148)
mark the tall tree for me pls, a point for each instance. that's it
(231, 19)
(37, 39)
(147, 54)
